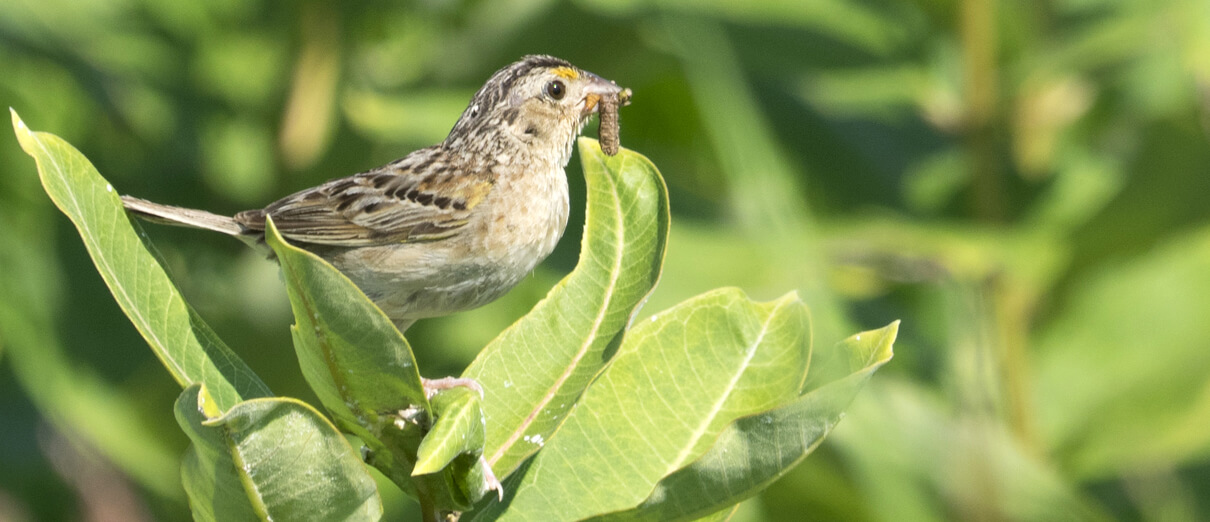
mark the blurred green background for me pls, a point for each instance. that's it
(1023, 183)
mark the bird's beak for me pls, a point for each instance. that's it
(598, 87)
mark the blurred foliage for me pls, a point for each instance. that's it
(1022, 183)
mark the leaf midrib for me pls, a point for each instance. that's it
(727, 391)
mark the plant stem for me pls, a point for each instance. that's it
(1014, 305)
(428, 510)
(980, 80)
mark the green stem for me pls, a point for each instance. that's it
(1014, 307)
(980, 80)
(429, 512)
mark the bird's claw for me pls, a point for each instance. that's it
(489, 477)
(432, 386)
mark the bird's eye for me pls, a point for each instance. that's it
(556, 89)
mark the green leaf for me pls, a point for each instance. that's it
(460, 429)
(534, 371)
(455, 444)
(352, 356)
(186, 345)
(758, 449)
(364, 373)
(355, 360)
(678, 381)
(270, 459)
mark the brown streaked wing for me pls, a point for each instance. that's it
(377, 207)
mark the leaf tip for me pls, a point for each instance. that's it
(589, 148)
(879, 343)
(272, 236)
(890, 332)
(20, 129)
(789, 297)
(275, 240)
(429, 461)
(890, 335)
(206, 403)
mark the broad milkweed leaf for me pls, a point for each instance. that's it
(534, 371)
(758, 449)
(270, 459)
(185, 344)
(678, 381)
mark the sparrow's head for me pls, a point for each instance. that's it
(537, 105)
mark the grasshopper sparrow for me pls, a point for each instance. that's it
(452, 226)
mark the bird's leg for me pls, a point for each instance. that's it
(403, 324)
(489, 476)
(432, 386)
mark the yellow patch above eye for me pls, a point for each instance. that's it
(566, 72)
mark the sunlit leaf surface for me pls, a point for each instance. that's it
(533, 373)
(270, 459)
(678, 381)
(186, 346)
(756, 450)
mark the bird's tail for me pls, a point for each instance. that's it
(179, 216)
